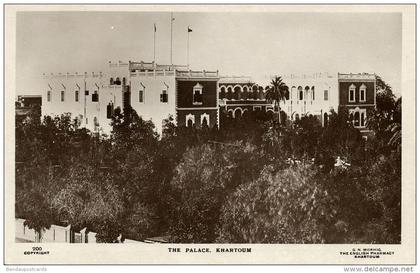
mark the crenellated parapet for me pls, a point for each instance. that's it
(76, 75)
(358, 77)
(197, 74)
(313, 76)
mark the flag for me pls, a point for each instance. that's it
(155, 27)
(189, 29)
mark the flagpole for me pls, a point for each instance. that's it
(154, 44)
(188, 47)
(172, 19)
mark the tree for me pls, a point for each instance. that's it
(384, 188)
(43, 148)
(90, 199)
(285, 206)
(340, 138)
(278, 91)
(34, 190)
(142, 222)
(203, 179)
(134, 144)
(385, 119)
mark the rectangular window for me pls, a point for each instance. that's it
(87, 93)
(109, 110)
(141, 96)
(197, 98)
(62, 95)
(351, 95)
(164, 96)
(76, 95)
(362, 95)
(325, 94)
(95, 96)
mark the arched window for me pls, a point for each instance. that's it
(261, 94)
(48, 95)
(117, 81)
(222, 92)
(76, 95)
(313, 92)
(237, 113)
(297, 117)
(190, 123)
(111, 81)
(293, 92)
(307, 95)
(362, 93)
(190, 120)
(205, 120)
(300, 93)
(237, 93)
(254, 92)
(287, 95)
(249, 94)
(62, 95)
(352, 91)
(229, 93)
(245, 92)
(356, 119)
(204, 123)
(230, 113)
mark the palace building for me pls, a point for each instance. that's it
(154, 91)
(196, 98)
(315, 94)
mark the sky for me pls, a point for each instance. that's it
(256, 44)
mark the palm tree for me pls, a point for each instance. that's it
(395, 129)
(277, 92)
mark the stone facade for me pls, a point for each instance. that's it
(197, 103)
(195, 98)
(357, 93)
(85, 96)
(150, 89)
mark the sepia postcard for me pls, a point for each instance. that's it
(210, 134)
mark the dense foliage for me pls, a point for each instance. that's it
(253, 180)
